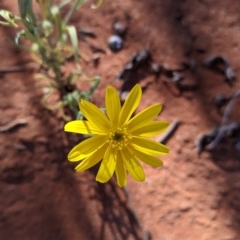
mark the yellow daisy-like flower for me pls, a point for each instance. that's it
(118, 140)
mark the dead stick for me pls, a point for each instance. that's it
(229, 107)
(222, 132)
(223, 128)
(171, 129)
(13, 124)
(19, 68)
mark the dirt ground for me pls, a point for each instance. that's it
(192, 197)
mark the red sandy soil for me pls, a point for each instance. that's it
(193, 197)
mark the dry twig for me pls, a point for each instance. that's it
(12, 125)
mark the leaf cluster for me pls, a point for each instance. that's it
(51, 41)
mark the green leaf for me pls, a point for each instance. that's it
(80, 3)
(75, 6)
(23, 6)
(79, 116)
(20, 34)
(62, 4)
(26, 13)
(96, 80)
(97, 5)
(57, 17)
(9, 17)
(74, 40)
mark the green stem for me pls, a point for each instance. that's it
(72, 10)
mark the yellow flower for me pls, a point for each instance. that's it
(117, 139)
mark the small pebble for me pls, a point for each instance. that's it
(96, 58)
(115, 43)
(185, 206)
(119, 28)
(155, 68)
(124, 95)
(20, 147)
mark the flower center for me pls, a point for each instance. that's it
(119, 138)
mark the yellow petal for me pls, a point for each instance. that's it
(95, 116)
(87, 147)
(133, 166)
(108, 165)
(149, 146)
(91, 160)
(151, 129)
(113, 105)
(120, 171)
(144, 117)
(82, 127)
(130, 104)
(150, 160)
(77, 157)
